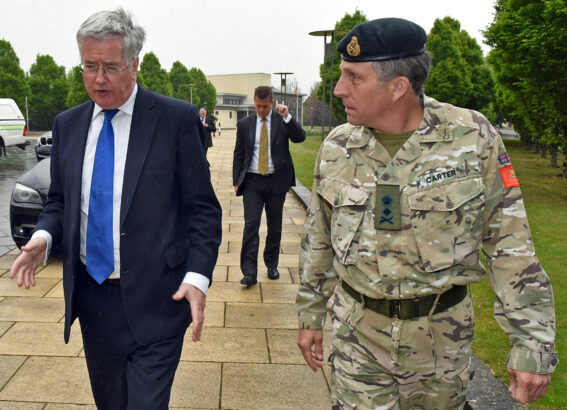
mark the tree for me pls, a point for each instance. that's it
(180, 80)
(345, 24)
(529, 57)
(155, 77)
(204, 92)
(459, 74)
(49, 90)
(77, 92)
(12, 78)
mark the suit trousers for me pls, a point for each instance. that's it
(123, 373)
(260, 192)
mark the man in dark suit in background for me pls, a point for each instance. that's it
(262, 171)
(209, 126)
(132, 204)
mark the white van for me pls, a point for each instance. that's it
(12, 125)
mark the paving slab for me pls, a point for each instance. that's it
(233, 292)
(9, 287)
(273, 292)
(53, 270)
(30, 309)
(220, 273)
(56, 291)
(227, 345)
(50, 379)
(62, 406)
(40, 339)
(274, 386)
(5, 326)
(10, 365)
(196, 385)
(17, 405)
(214, 314)
(261, 315)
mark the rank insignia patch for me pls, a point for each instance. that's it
(387, 214)
(509, 176)
(504, 158)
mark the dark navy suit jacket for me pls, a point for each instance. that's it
(170, 218)
(280, 134)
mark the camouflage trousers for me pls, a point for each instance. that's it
(383, 363)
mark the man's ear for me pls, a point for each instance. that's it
(401, 86)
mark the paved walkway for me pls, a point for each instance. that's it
(247, 358)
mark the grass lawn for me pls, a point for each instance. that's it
(545, 197)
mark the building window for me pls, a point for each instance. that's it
(216, 113)
(230, 114)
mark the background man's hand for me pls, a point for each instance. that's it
(525, 387)
(196, 300)
(25, 265)
(206, 125)
(235, 188)
(310, 343)
(282, 109)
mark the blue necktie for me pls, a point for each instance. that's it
(100, 248)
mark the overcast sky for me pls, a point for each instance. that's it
(223, 36)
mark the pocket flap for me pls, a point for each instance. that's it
(446, 197)
(339, 193)
(177, 253)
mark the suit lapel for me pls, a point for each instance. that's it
(252, 133)
(77, 140)
(142, 131)
(276, 122)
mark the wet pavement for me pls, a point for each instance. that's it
(11, 167)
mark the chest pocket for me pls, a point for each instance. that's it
(447, 222)
(349, 207)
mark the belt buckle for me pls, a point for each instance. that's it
(395, 309)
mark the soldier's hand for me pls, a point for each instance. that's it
(310, 343)
(525, 387)
(282, 109)
(25, 265)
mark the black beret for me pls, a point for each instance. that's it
(383, 39)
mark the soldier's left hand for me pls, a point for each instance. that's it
(525, 387)
(282, 109)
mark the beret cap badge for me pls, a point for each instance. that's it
(353, 48)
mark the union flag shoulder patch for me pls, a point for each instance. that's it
(509, 176)
(504, 158)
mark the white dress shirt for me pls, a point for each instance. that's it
(255, 155)
(121, 127)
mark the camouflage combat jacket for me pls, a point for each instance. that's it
(454, 201)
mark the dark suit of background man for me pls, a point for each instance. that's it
(158, 221)
(209, 126)
(262, 171)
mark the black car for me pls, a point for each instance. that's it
(43, 146)
(27, 201)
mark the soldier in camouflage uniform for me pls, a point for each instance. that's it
(404, 196)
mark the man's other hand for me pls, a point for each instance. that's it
(310, 342)
(525, 387)
(282, 109)
(25, 265)
(196, 300)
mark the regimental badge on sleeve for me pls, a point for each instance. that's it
(509, 176)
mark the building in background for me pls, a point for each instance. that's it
(235, 97)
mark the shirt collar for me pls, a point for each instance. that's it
(268, 117)
(127, 107)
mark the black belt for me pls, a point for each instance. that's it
(409, 308)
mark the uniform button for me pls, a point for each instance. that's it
(385, 177)
(383, 252)
(450, 204)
